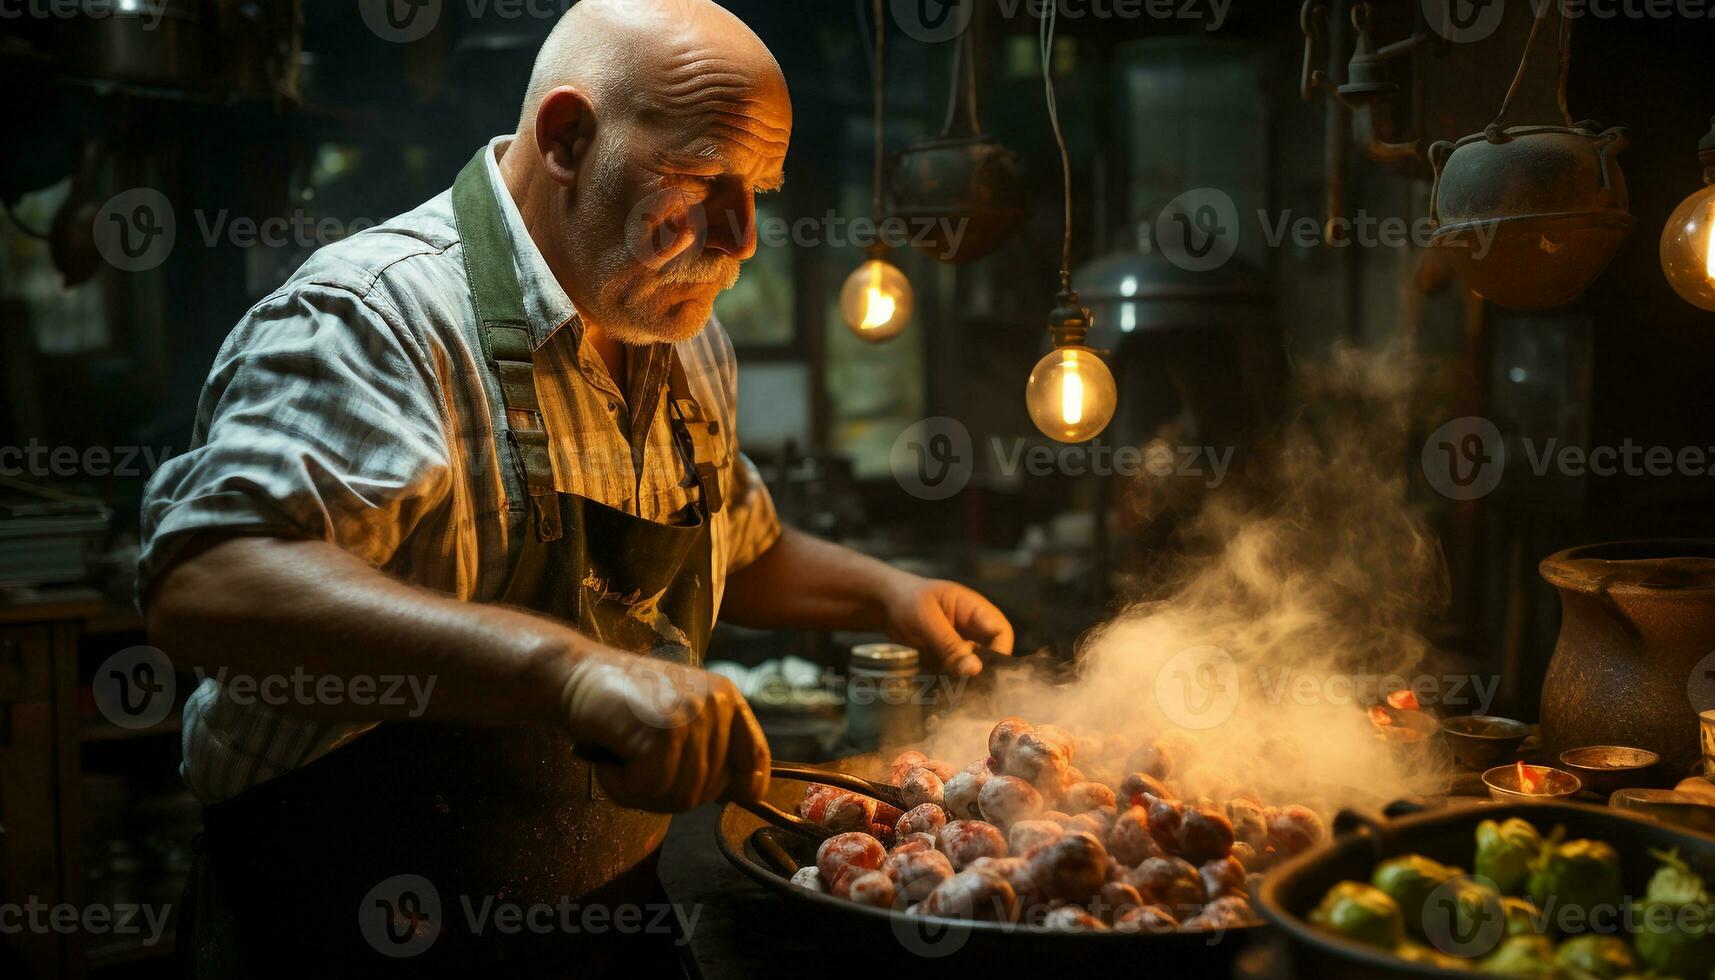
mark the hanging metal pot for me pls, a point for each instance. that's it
(962, 193)
(1531, 215)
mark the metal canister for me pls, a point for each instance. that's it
(883, 703)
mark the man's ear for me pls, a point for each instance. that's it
(565, 133)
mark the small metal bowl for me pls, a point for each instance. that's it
(1481, 741)
(1606, 768)
(1503, 785)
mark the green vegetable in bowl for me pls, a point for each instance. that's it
(1409, 880)
(1476, 901)
(1673, 921)
(1521, 956)
(1591, 955)
(1428, 956)
(1505, 851)
(1579, 874)
(1361, 912)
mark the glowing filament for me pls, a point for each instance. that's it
(878, 308)
(1072, 397)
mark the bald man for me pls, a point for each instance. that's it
(464, 500)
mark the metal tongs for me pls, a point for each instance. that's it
(795, 824)
(772, 814)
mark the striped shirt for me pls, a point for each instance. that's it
(354, 406)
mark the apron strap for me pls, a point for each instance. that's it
(699, 436)
(504, 330)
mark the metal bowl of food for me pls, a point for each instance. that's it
(1606, 768)
(1521, 783)
(1482, 741)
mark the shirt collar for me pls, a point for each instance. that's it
(545, 301)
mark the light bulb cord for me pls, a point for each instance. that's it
(878, 80)
(1049, 22)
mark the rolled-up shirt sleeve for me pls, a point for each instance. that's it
(321, 420)
(754, 524)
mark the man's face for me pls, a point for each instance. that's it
(666, 214)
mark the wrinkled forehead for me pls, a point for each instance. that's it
(708, 103)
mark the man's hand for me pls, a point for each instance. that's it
(945, 621)
(683, 737)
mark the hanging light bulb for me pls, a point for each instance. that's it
(876, 301)
(1688, 242)
(1071, 393)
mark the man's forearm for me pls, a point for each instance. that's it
(269, 608)
(804, 582)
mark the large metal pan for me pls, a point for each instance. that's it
(1289, 892)
(747, 841)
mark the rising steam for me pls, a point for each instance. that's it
(1298, 607)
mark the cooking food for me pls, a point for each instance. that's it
(1563, 908)
(1062, 829)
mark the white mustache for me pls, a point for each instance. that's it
(723, 273)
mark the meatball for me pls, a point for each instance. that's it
(1095, 821)
(1001, 739)
(1040, 761)
(1004, 800)
(1221, 914)
(1155, 759)
(1072, 867)
(1115, 899)
(1080, 797)
(809, 878)
(873, 888)
(1071, 918)
(963, 841)
(1170, 881)
(1204, 835)
(1165, 819)
(1142, 789)
(1292, 829)
(848, 850)
(1129, 839)
(942, 770)
(924, 818)
(1148, 918)
(961, 796)
(1250, 823)
(973, 895)
(921, 786)
(916, 874)
(1060, 817)
(1015, 870)
(903, 763)
(837, 809)
(1223, 877)
(913, 842)
(1026, 834)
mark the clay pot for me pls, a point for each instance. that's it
(1635, 661)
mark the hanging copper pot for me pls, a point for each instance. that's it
(1531, 215)
(962, 193)
(1635, 661)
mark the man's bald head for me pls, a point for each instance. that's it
(643, 57)
(654, 124)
